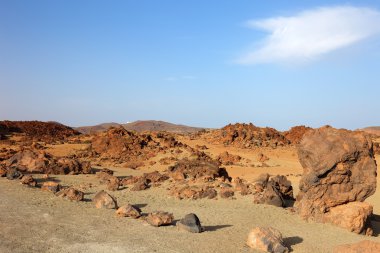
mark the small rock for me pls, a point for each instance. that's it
(140, 185)
(113, 183)
(190, 223)
(28, 180)
(129, 211)
(266, 239)
(3, 171)
(13, 173)
(160, 218)
(226, 193)
(71, 194)
(51, 186)
(103, 200)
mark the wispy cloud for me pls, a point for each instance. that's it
(311, 33)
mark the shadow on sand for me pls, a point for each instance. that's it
(215, 228)
(293, 240)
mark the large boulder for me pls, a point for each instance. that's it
(266, 239)
(339, 168)
(365, 246)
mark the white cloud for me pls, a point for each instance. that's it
(312, 33)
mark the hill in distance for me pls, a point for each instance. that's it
(141, 126)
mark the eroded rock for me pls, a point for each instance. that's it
(190, 223)
(104, 200)
(266, 239)
(160, 218)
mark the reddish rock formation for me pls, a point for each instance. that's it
(40, 162)
(46, 131)
(247, 136)
(226, 158)
(295, 134)
(339, 168)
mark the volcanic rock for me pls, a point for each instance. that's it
(103, 200)
(51, 186)
(228, 159)
(13, 173)
(226, 193)
(295, 134)
(190, 223)
(160, 218)
(339, 168)
(28, 180)
(266, 239)
(113, 183)
(71, 194)
(128, 211)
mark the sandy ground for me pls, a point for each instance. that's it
(35, 221)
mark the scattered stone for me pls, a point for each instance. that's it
(13, 173)
(365, 246)
(3, 171)
(141, 185)
(339, 168)
(113, 183)
(129, 180)
(226, 193)
(103, 200)
(128, 211)
(228, 159)
(160, 218)
(266, 239)
(262, 158)
(190, 223)
(71, 194)
(28, 180)
(51, 186)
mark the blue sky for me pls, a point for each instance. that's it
(201, 63)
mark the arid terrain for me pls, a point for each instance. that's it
(211, 173)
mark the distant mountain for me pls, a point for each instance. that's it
(96, 128)
(142, 126)
(372, 130)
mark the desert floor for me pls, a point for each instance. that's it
(35, 221)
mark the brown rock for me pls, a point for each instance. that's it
(71, 194)
(269, 196)
(129, 180)
(160, 218)
(262, 158)
(129, 211)
(51, 186)
(283, 186)
(226, 193)
(295, 134)
(28, 180)
(359, 247)
(339, 167)
(141, 185)
(103, 200)
(3, 171)
(266, 239)
(113, 183)
(354, 216)
(228, 159)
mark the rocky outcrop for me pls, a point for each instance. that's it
(247, 136)
(339, 170)
(34, 161)
(295, 134)
(266, 239)
(226, 158)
